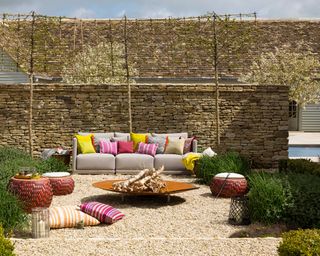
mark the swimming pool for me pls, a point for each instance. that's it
(304, 151)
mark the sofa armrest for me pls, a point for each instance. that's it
(74, 154)
(195, 146)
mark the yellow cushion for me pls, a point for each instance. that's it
(85, 143)
(137, 138)
(69, 217)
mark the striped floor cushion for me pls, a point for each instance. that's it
(70, 216)
(103, 212)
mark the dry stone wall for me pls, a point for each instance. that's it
(254, 119)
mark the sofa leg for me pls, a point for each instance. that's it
(168, 198)
(122, 197)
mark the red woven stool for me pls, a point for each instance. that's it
(228, 185)
(61, 182)
(32, 192)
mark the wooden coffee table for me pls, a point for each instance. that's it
(172, 187)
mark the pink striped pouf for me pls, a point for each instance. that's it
(62, 183)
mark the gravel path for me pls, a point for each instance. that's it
(192, 223)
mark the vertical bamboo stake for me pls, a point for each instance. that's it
(216, 78)
(31, 87)
(111, 49)
(127, 72)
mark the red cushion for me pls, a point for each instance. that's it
(125, 147)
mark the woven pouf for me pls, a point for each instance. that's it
(62, 183)
(32, 192)
(228, 185)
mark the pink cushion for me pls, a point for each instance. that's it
(149, 149)
(125, 147)
(108, 147)
(103, 212)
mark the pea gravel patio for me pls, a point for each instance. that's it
(192, 223)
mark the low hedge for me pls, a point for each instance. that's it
(290, 198)
(268, 197)
(300, 242)
(208, 167)
(303, 166)
(304, 211)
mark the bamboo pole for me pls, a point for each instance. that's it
(31, 88)
(127, 72)
(216, 78)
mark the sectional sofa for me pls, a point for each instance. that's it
(98, 163)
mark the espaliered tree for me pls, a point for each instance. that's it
(285, 66)
(230, 42)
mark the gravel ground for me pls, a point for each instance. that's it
(192, 223)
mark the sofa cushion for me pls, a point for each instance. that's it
(97, 137)
(169, 161)
(122, 134)
(107, 147)
(133, 161)
(172, 135)
(137, 138)
(161, 141)
(175, 146)
(85, 143)
(95, 161)
(125, 147)
(188, 145)
(149, 149)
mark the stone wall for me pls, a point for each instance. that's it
(254, 119)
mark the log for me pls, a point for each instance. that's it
(145, 180)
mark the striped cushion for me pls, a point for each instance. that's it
(70, 216)
(149, 149)
(161, 141)
(103, 212)
(108, 147)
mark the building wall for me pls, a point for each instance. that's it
(254, 119)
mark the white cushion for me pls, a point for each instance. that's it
(95, 161)
(231, 175)
(133, 161)
(171, 162)
(55, 174)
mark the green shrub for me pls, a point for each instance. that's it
(304, 212)
(207, 167)
(300, 242)
(299, 166)
(6, 247)
(268, 198)
(51, 165)
(11, 214)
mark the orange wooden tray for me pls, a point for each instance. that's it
(172, 187)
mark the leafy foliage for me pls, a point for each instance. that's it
(11, 160)
(299, 166)
(268, 198)
(98, 65)
(51, 165)
(285, 67)
(304, 212)
(208, 167)
(6, 246)
(11, 214)
(300, 242)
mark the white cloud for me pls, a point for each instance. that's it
(83, 13)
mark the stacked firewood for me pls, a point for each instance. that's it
(145, 181)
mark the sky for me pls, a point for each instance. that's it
(269, 9)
